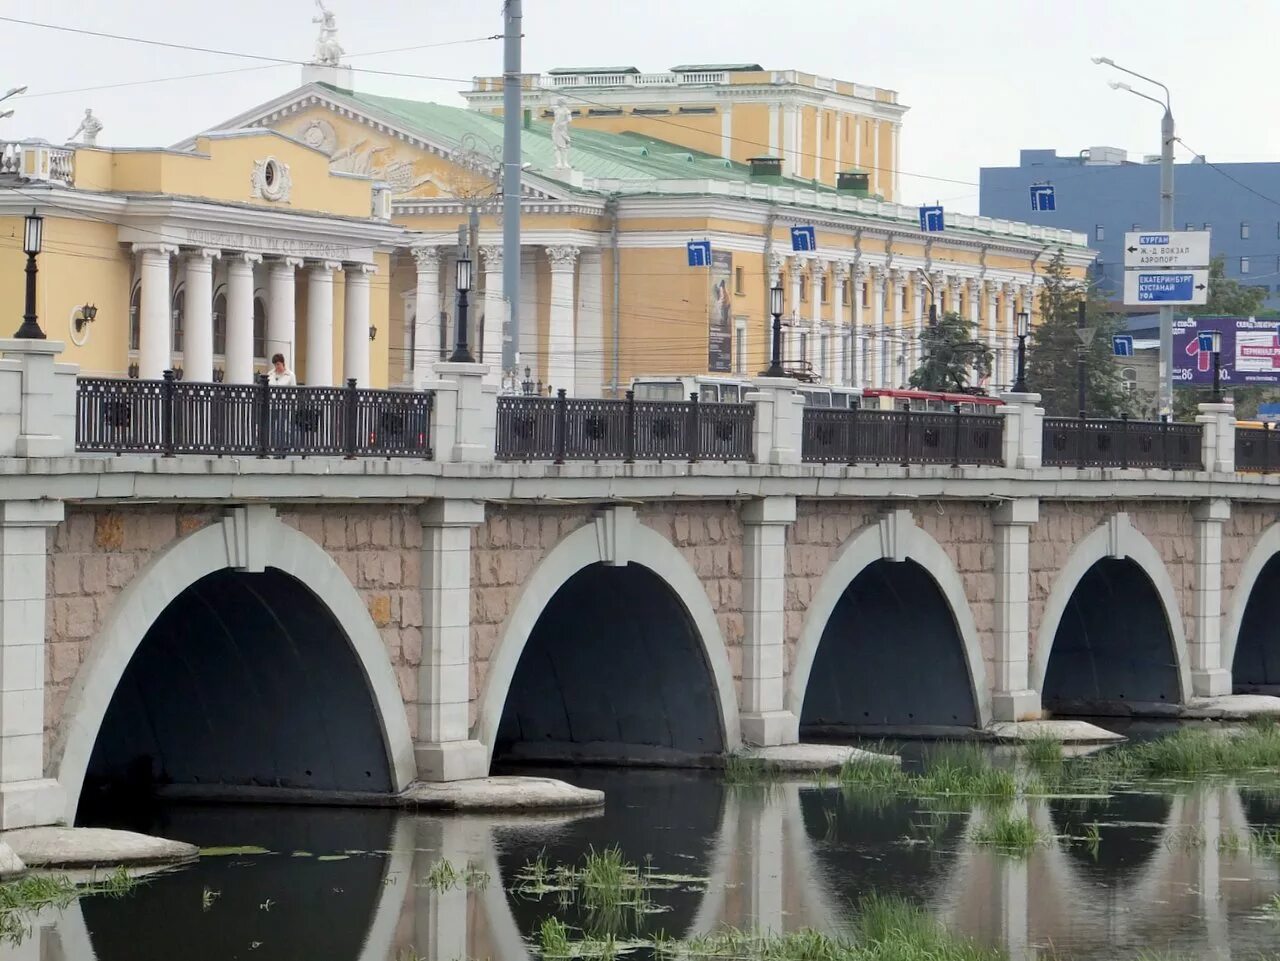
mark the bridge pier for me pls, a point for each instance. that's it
(1013, 699)
(443, 746)
(765, 721)
(1209, 676)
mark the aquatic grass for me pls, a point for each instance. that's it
(1190, 752)
(1043, 751)
(21, 898)
(1265, 842)
(950, 770)
(553, 938)
(747, 771)
(207, 897)
(444, 876)
(1009, 833)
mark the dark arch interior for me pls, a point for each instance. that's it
(243, 680)
(1113, 652)
(613, 670)
(1256, 668)
(891, 656)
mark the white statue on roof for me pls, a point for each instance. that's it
(562, 116)
(90, 126)
(328, 50)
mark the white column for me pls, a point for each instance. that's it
(917, 326)
(791, 356)
(197, 348)
(443, 749)
(898, 345)
(240, 317)
(355, 323)
(155, 353)
(877, 334)
(1010, 330)
(897, 150)
(815, 358)
(839, 363)
(726, 131)
(857, 143)
(426, 321)
(529, 320)
(790, 128)
(589, 375)
(282, 336)
(1209, 676)
(1012, 699)
(1029, 305)
(992, 294)
(764, 568)
(319, 372)
(857, 372)
(877, 174)
(495, 309)
(27, 797)
(561, 333)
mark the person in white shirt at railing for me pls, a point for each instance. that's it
(280, 375)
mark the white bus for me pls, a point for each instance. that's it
(709, 388)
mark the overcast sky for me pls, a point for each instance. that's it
(983, 78)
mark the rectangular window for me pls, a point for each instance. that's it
(740, 345)
(1099, 232)
(845, 290)
(826, 126)
(1193, 227)
(739, 280)
(804, 290)
(1208, 226)
(1244, 230)
(825, 289)
(864, 295)
(804, 346)
(1244, 265)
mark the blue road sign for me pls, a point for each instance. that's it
(699, 253)
(1166, 286)
(1205, 342)
(1122, 345)
(804, 238)
(932, 220)
(1042, 197)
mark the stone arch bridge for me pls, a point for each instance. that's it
(329, 627)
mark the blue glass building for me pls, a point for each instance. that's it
(1103, 194)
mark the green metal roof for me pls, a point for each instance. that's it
(712, 67)
(579, 71)
(594, 153)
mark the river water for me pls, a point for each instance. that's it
(341, 885)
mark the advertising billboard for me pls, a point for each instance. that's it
(720, 326)
(1250, 351)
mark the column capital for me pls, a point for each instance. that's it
(777, 264)
(361, 269)
(425, 256)
(492, 254)
(167, 250)
(322, 265)
(1019, 512)
(562, 257)
(206, 254)
(817, 270)
(285, 263)
(840, 271)
(236, 258)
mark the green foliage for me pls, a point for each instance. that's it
(1053, 349)
(22, 898)
(1227, 298)
(951, 356)
(1009, 833)
(950, 770)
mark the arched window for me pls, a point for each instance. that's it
(1130, 377)
(178, 311)
(135, 318)
(259, 328)
(220, 322)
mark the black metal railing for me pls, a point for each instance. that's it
(1257, 449)
(169, 417)
(832, 436)
(562, 429)
(1101, 442)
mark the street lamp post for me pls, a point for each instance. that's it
(1215, 348)
(1024, 328)
(1167, 138)
(31, 242)
(461, 352)
(775, 351)
(11, 92)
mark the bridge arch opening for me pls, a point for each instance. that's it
(611, 653)
(243, 681)
(238, 662)
(1113, 651)
(1255, 668)
(891, 656)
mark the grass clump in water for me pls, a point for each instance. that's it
(1191, 752)
(1043, 751)
(745, 770)
(21, 898)
(1010, 833)
(950, 770)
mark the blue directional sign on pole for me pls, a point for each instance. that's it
(932, 220)
(699, 253)
(803, 238)
(1042, 197)
(1166, 287)
(1122, 345)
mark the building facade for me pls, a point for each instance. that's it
(1101, 193)
(323, 225)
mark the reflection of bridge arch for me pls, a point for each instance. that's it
(1250, 622)
(933, 584)
(645, 590)
(1126, 569)
(249, 543)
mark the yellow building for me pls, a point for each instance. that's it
(323, 225)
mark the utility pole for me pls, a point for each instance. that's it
(513, 119)
(1166, 224)
(1082, 360)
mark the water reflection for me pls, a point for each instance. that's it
(1166, 875)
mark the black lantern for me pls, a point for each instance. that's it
(461, 352)
(1024, 328)
(85, 316)
(32, 239)
(775, 353)
(1215, 348)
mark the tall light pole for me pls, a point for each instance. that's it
(11, 92)
(1167, 138)
(513, 118)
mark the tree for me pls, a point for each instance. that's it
(951, 355)
(1227, 298)
(1052, 353)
